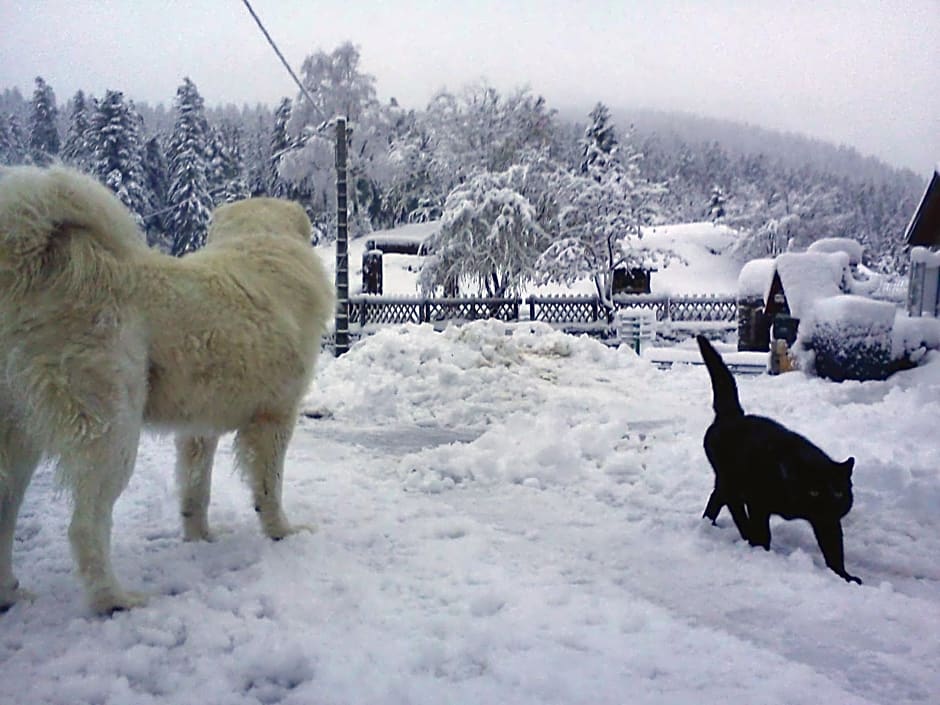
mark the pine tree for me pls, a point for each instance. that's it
(188, 199)
(155, 179)
(603, 211)
(280, 144)
(225, 171)
(43, 133)
(6, 142)
(14, 151)
(258, 159)
(114, 137)
(716, 204)
(76, 150)
(600, 140)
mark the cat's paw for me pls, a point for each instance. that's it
(851, 578)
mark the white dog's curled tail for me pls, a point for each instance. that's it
(49, 217)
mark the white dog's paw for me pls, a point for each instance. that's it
(110, 602)
(198, 535)
(10, 596)
(310, 528)
(283, 529)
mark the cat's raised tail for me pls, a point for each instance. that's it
(724, 389)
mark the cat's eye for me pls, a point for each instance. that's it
(814, 493)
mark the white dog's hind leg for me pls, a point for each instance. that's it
(18, 460)
(194, 456)
(260, 448)
(98, 472)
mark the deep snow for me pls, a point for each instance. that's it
(505, 518)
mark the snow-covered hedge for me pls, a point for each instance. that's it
(852, 337)
(839, 244)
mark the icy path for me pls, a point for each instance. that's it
(505, 520)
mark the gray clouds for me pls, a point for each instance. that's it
(860, 73)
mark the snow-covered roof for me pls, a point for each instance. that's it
(839, 244)
(850, 311)
(755, 278)
(705, 268)
(924, 228)
(921, 255)
(809, 276)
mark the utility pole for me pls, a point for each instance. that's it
(342, 244)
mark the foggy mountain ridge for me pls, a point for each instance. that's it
(791, 149)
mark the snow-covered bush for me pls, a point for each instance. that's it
(913, 336)
(848, 337)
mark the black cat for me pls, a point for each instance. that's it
(762, 468)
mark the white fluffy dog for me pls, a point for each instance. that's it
(100, 335)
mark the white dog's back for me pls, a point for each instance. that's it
(99, 334)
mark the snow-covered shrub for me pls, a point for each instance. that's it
(848, 337)
(913, 336)
(839, 244)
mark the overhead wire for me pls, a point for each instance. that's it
(300, 85)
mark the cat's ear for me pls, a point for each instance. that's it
(847, 466)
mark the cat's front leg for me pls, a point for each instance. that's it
(713, 508)
(829, 537)
(760, 527)
(740, 517)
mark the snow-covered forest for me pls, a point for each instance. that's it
(472, 156)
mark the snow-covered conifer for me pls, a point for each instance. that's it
(76, 150)
(14, 150)
(43, 131)
(116, 152)
(188, 201)
(156, 185)
(603, 210)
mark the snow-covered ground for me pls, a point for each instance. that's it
(505, 518)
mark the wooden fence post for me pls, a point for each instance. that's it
(342, 244)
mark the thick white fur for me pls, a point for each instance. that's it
(100, 335)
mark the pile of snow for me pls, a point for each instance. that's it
(921, 255)
(847, 245)
(507, 515)
(810, 276)
(755, 278)
(705, 267)
(913, 336)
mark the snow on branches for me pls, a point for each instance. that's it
(602, 212)
(489, 237)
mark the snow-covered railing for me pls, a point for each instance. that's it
(583, 313)
(565, 309)
(683, 308)
(389, 310)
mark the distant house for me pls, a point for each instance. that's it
(635, 280)
(923, 236)
(753, 287)
(372, 267)
(801, 278)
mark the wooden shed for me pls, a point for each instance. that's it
(799, 280)
(633, 280)
(923, 236)
(924, 228)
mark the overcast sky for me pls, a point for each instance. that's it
(861, 73)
